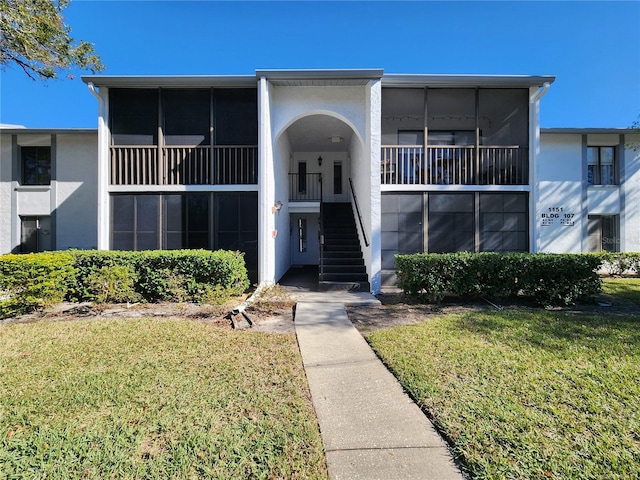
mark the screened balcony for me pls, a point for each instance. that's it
(184, 165)
(181, 136)
(454, 165)
(455, 136)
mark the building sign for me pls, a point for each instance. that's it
(557, 216)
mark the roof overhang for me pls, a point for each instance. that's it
(333, 77)
(593, 131)
(48, 131)
(461, 81)
(174, 81)
(322, 77)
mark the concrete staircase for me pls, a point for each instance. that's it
(341, 263)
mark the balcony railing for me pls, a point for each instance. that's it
(305, 188)
(454, 165)
(217, 165)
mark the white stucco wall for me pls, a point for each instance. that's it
(34, 200)
(282, 154)
(561, 172)
(76, 191)
(630, 189)
(558, 215)
(288, 104)
(5, 194)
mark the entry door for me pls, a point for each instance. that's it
(305, 246)
(35, 234)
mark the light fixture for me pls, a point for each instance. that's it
(276, 207)
(319, 161)
(336, 139)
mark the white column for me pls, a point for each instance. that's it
(266, 187)
(373, 133)
(534, 150)
(103, 170)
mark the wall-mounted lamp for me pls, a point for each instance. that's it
(336, 139)
(276, 207)
(319, 161)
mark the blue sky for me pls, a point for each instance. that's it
(592, 47)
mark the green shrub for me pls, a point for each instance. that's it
(113, 284)
(619, 263)
(33, 281)
(168, 275)
(550, 279)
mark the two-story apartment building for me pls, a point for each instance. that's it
(336, 168)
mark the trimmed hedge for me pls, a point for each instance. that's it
(550, 279)
(619, 263)
(33, 281)
(167, 275)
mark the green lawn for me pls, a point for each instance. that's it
(153, 399)
(530, 395)
(627, 288)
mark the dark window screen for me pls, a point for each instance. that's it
(237, 226)
(186, 117)
(134, 116)
(236, 116)
(451, 222)
(504, 222)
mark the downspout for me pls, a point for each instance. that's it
(102, 233)
(534, 148)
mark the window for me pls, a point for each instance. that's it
(601, 165)
(302, 177)
(602, 233)
(36, 165)
(337, 178)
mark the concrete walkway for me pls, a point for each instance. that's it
(370, 428)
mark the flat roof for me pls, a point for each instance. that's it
(436, 80)
(304, 77)
(590, 130)
(171, 80)
(59, 131)
(321, 77)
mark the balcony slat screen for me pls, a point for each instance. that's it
(182, 165)
(454, 165)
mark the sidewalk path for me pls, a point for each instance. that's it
(370, 428)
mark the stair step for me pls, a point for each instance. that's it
(337, 254)
(351, 260)
(342, 260)
(344, 286)
(341, 241)
(341, 248)
(344, 277)
(346, 269)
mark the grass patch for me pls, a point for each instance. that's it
(153, 399)
(527, 394)
(627, 288)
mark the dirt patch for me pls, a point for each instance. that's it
(275, 313)
(399, 309)
(266, 316)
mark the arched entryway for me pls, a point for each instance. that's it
(316, 152)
